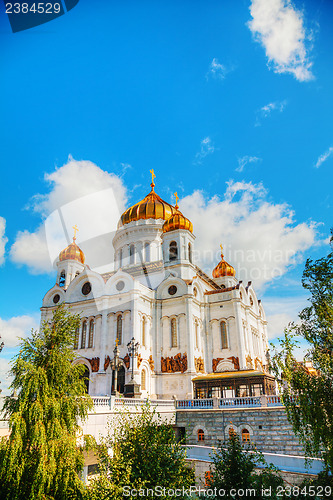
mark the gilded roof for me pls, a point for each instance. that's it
(223, 268)
(151, 207)
(177, 221)
(72, 252)
(232, 374)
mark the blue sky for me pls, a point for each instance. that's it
(230, 103)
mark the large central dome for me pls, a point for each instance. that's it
(151, 207)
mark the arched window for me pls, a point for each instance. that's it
(120, 257)
(173, 332)
(196, 328)
(245, 436)
(224, 335)
(131, 252)
(84, 335)
(119, 329)
(143, 380)
(62, 278)
(190, 252)
(173, 250)
(91, 334)
(76, 338)
(147, 252)
(201, 435)
(144, 321)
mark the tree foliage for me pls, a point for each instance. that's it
(41, 459)
(145, 454)
(308, 396)
(234, 470)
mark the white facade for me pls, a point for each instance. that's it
(163, 300)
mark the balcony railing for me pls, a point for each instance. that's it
(247, 402)
(195, 403)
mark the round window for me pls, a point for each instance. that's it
(86, 289)
(172, 290)
(56, 298)
(120, 285)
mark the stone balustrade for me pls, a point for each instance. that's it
(246, 402)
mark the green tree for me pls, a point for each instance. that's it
(234, 470)
(308, 395)
(41, 459)
(145, 454)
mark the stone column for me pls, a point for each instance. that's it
(103, 336)
(240, 336)
(190, 336)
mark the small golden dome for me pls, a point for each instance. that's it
(72, 252)
(177, 221)
(223, 268)
(151, 207)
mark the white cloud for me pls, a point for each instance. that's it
(206, 148)
(280, 311)
(11, 331)
(322, 158)
(266, 110)
(3, 240)
(217, 69)
(18, 326)
(279, 27)
(244, 160)
(261, 239)
(80, 193)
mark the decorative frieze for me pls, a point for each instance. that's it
(94, 363)
(174, 364)
(199, 365)
(234, 360)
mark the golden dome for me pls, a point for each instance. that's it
(177, 221)
(72, 252)
(151, 207)
(223, 268)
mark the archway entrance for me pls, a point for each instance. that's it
(85, 376)
(120, 382)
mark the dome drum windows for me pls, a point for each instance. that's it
(132, 254)
(62, 279)
(147, 252)
(173, 251)
(190, 252)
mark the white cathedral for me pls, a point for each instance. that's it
(197, 336)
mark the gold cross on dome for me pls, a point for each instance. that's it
(117, 341)
(153, 176)
(75, 231)
(221, 246)
(177, 198)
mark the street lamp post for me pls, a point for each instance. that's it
(115, 365)
(132, 389)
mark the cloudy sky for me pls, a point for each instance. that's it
(229, 101)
